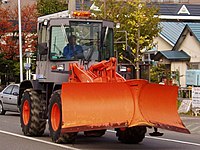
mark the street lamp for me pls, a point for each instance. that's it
(27, 65)
(20, 41)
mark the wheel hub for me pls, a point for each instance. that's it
(55, 117)
(26, 112)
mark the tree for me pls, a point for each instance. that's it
(46, 7)
(159, 72)
(138, 20)
(9, 31)
(9, 48)
(5, 26)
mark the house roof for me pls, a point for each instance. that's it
(171, 31)
(172, 55)
(195, 28)
(173, 9)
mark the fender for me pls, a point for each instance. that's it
(47, 87)
(27, 84)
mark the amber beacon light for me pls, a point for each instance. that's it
(81, 14)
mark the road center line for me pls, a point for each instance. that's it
(164, 139)
(38, 140)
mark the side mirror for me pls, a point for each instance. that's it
(43, 49)
(16, 93)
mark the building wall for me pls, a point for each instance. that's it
(194, 1)
(164, 61)
(181, 67)
(192, 47)
(162, 44)
(174, 1)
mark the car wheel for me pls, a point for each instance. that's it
(2, 111)
(132, 135)
(55, 121)
(31, 108)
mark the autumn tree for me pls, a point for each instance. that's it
(9, 31)
(135, 18)
(46, 7)
(9, 47)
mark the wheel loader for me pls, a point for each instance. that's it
(85, 93)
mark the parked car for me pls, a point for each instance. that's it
(8, 99)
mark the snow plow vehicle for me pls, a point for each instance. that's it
(85, 93)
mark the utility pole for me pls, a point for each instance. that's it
(82, 7)
(104, 9)
(137, 67)
(20, 41)
(72, 5)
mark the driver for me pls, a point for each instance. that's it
(72, 50)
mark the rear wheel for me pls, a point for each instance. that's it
(55, 121)
(31, 108)
(132, 135)
(95, 133)
(2, 111)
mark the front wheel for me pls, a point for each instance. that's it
(2, 111)
(55, 121)
(132, 135)
(31, 108)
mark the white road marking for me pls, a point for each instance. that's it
(194, 129)
(38, 140)
(72, 148)
(171, 140)
(164, 139)
(193, 124)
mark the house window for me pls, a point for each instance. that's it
(194, 66)
(146, 57)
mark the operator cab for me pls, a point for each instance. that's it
(94, 36)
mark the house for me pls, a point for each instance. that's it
(179, 47)
(178, 44)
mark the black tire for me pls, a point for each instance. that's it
(55, 132)
(2, 111)
(95, 133)
(132, 135)
(33, 125)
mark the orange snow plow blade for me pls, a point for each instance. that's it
(93, 106)
(157, 105)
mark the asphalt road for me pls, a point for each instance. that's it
(11, 138)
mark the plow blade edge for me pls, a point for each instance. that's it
(93, 106)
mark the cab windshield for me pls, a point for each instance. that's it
(79, 40)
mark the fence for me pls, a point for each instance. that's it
(185, 93)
